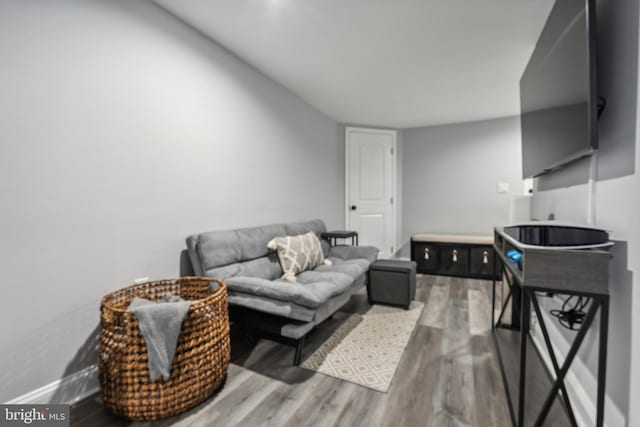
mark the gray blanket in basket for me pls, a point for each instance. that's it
(160, 325)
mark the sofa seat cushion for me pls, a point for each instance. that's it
(276, 307)
(311, 291)
(289, 316)
(354, 252)
(352, 268)
(341, 280)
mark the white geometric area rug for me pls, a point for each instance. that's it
(366, 349)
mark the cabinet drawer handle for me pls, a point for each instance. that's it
(454, 255)
(426, 253)
(485, 257)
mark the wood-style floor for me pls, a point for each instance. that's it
(448, 375)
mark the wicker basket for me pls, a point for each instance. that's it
(201, 358)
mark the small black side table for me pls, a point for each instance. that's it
(331, 236)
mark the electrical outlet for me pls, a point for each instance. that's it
(140, 280)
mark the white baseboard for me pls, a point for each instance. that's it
(583, 402)
(69, 389)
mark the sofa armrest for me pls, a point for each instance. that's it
(352, 252)
(192, 241)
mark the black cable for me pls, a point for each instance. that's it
(571, 315)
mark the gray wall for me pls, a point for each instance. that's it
(450, 175)
(121, 132)
(617, 206)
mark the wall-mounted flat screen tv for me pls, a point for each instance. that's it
(558, 96)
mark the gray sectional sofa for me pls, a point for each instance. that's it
(252, 274)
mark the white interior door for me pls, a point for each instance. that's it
(370, 187)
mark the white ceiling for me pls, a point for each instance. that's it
(394, 63)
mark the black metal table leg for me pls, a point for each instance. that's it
(505, 383)
(554, 360)
(602, 359)
(493, 296)
(524, 331)
(505, 303)
(504, 307)
(567, 363)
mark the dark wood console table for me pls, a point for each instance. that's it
(540, 270)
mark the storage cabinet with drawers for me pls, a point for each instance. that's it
(427, 257)
(454, 255)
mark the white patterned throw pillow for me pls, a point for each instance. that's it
(298, 254)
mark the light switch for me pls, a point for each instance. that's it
(503, 187)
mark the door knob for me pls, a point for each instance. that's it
(354, 207)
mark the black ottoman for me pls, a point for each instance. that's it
(392, 282)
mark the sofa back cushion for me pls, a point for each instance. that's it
(297, 228)
(243, 252)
